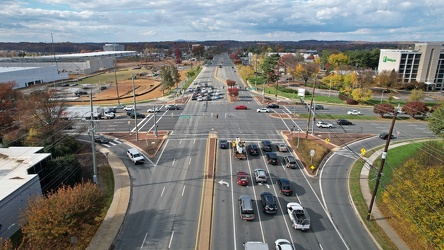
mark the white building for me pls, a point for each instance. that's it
(113, 47)
(19, 180)
(425, 63)
(26, 76)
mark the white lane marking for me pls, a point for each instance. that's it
(144, 239)
(161, 153)
(257, 205)
(232, 202)
(180, 141)
(189, 162)
(183, 190)
(174, 160)
(163, 190)
(171, 239)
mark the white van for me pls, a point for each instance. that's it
(135, 156)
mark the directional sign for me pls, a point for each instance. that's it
(185, 116)
(221, 182)
(363, 151)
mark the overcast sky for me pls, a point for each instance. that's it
(241, 20)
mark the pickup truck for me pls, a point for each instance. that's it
(298, 216)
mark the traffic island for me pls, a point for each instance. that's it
(204, 228)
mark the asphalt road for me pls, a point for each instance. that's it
(166, 190)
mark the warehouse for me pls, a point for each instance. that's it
(26, 71)
(28, 76)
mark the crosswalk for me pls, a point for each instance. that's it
(111, 143)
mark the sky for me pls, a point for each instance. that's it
(110, 21)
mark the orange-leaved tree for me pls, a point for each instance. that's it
(52, 222)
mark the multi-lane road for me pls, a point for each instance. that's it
(166, 191)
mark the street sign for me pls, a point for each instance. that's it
(363, 151)
(312, 152)
(327, 140)
(301, 92)
(312, 167)
(185, 116)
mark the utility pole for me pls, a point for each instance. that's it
(115, 78)
(381, 167)
(93, 145)
(310, 108)
(135, 109)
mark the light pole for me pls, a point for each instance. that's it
(299, 133)
(382, 94)
(329, 91)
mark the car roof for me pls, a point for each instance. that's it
(271, 154)
(266, 142)
(284, 181)
(290, 157)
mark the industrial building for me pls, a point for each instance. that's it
(27, 76)
(425, 63)
(25, 70)
(19, 181)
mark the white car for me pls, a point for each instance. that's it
(263, 110)
(354, 112)
(324, 125)
(129, 108)
(283, 244)
(199, 99)
(152, 110)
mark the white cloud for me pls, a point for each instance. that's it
(104, 20)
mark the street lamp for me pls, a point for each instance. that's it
(299, 133)
(382, 94)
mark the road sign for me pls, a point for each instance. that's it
(363, 151)
(327, 140)
(312, 167)
(312, 152)
(185, 116)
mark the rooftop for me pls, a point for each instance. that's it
(14, 165)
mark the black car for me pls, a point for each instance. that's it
(139, 115)
(101, 139)
(223, 144)
(384, 136)
(253, 149)
(172, 107)
(344, 122)
(271, 158)
(273, 106)
(79, 93)
(284, 186)
(268, 203)
(266, 146)
(194, 97)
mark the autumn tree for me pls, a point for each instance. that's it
(337, 59)
(364, 78)
(306, 71)
(246, 72)
(387, 79)
(8, 102)
(167, 77)
(361, 94)
(383, 108)
(287, 61)
(416, 95)
(415, 109)
(51, 222)
(230, 83)
(198, 50)
(436, 121)
(415, 190)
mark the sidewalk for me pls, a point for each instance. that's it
(367, 194)
(108, 230)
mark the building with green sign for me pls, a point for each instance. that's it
(425, 63)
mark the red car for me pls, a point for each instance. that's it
(242, 178)
(240, 107)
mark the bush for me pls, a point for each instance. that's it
(351, 102)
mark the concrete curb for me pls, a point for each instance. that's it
(110, 227)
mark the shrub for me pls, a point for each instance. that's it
(351, 102)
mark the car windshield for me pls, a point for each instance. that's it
(137, 155)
